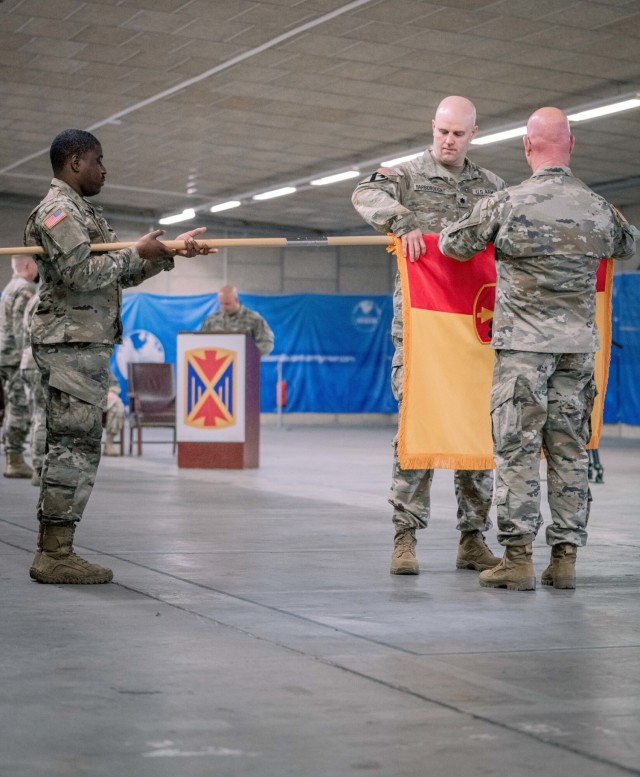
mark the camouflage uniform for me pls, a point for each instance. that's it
(550, 233)
(245, 320)
(74, 328)
(422, 194)
(115, 408)
(33, 388)
(14, 300)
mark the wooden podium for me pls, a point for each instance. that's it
(217, 401)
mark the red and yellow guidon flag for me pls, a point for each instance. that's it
(447, 317)
(210, 388)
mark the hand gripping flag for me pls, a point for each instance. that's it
(447, 315)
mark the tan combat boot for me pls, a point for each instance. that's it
(36, 558)
(109, 447)
(561, 572)
(57, 563)
(473, 552)
(514, 572)
(17, 467)
(35, 478)
(403, 560)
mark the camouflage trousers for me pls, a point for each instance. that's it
(542, 402)
(16, 410)
(75, 377)
(35, 397)
(115, 415)
(410, 494)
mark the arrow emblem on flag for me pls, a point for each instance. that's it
(483, 307)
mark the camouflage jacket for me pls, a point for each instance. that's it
(114, 384)
(420, 194)
(550, 233)
(27, 362)
(80, 291)
(245, 320)
(14, 300)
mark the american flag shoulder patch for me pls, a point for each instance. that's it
(54, 218)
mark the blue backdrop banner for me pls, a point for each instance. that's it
(333, 351)
(622, 402)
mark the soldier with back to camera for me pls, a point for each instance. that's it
(550, 233)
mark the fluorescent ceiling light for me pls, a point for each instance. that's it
(605, 110)
(625, 102)
(590, 113)
(518, 132)
(400, 159)
(274, 193)
(187, 214)
(335, 178)
(225, 206)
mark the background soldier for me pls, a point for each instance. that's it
(74, 327)
(550, 233)
(35, 395)
(114, 423)
(235, 317)
(15, 297)
(419, 197)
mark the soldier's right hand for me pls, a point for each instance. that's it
(149, 247)
(413, 245)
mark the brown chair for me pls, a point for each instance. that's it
(152, 400)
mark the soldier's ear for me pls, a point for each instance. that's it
(74, 162)
(572, 143)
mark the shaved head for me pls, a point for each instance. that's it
(228, 299)
(458, 108)
(454, 127)
(548, 141)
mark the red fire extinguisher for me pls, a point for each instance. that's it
(281, 393)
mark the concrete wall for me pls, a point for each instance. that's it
(344, 270)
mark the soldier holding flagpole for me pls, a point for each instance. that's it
(73, 331)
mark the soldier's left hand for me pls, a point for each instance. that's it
(193, 248)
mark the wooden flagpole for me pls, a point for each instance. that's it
(257, 242)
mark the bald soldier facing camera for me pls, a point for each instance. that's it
(411, 199)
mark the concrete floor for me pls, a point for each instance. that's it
(253, 630)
